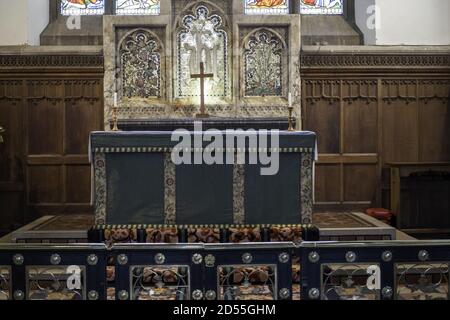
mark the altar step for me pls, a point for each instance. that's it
(345, 226)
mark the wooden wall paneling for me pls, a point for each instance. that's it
(45, 113)
(60, 97)
(346, 121)
(322, 114)
(75, 108)
(11, 159)
(10, 120)
(326, 183)
(83, 113)
(434, 120)
(360, 183)
(400, 121)
(360, 124)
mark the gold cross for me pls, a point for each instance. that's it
(202, 76)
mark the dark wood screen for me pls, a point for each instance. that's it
(48, 106)
(369, 110)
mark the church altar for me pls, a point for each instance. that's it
(139, 166)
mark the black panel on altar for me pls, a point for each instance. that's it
(134, 188)
(273, 199)
(204, 194)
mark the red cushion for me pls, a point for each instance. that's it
(379, 213)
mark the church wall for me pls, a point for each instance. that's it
(22, 21)
(38, 18)
(413, 22)
(13, 22)
(363, 11)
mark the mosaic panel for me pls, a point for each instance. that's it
(140, 65)
(263, 65)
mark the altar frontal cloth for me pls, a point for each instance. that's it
(137, 182)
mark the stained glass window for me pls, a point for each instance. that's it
(202, 38)
(321, 6)
(138, 7)
(266, 6)
(82, 7)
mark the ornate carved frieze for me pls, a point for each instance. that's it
(400, 90)
(64, 90)
(317, 90)
(430, 90)
(51, 61)
(10, 90)
(359, 90)
(352, 60)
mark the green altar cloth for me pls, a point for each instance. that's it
(137, 182)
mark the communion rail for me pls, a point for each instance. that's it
(393, 270)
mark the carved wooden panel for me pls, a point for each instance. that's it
(48, 106)
(434, 120)
(11, 161)
(368, 110)
(360, 131)
(322, 113)
(400, 121)
(360, 182)
(58, 146)
(327, 184)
